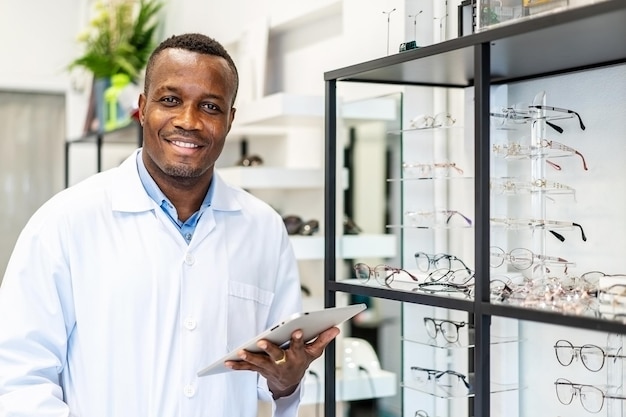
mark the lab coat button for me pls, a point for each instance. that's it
(190, 323)
(189, 259)
(189, 391)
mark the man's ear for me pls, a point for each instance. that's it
(142, 107)
(233, 110)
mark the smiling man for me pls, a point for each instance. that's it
(121, 288)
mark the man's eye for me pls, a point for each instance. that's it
(211, 107)
(169, 100)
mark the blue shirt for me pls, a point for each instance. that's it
(186, 228)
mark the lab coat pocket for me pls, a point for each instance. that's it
(248, 310)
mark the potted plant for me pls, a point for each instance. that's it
(117, 44)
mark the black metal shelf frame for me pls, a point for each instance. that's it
(573, 40)
(99, 139)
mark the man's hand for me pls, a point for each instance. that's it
(284, 368)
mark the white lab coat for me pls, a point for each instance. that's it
(105, 311)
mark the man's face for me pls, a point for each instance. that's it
(186, 115)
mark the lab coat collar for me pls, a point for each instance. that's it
(128, 194)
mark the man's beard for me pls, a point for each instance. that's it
(181, 171)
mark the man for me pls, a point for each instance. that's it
(121, 288)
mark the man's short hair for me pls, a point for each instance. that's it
(193, 42)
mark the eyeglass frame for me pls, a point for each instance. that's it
(435, 374)
(577, 390)
(448, 213)
(506, 256)
(429, 121)
(438, 329)
(433, 259)
(510, 113)
(540, 223)
(388, 279)
(511, 185)
(577, 352)
(432, 167)
(517, 148)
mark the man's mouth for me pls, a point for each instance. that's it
(184, 144)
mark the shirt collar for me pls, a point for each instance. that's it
(129, 193)
(155, 192)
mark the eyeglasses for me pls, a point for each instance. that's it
(501, 289)
(518, 114)
(524, 113)
(425, 375)
(424, 261)
(426, 219)
(517, 150)
(591, 397)
(517, 224)
(513, 186)
(434, 170)
(384, 274)
(297, 226)
(250, 161)
(449, 329)
(591, 356)
(613, 294)
(425, 121)
(520, 258)
(461, 276)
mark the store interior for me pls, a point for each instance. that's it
(286, 52)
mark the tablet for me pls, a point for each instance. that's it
(311, 323)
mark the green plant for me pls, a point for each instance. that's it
(119, 38)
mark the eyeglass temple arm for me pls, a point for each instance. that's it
(456, 258)
(554, 165)
(457, 374)
(583, 158)
(557, 235)
(582, 232)
(555, 127)
(453, 212)
(580, 120)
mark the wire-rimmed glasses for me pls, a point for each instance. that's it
(517, 150)
(384, 274)
(508, 186)
(434, 170)
(591, 356)
(518, 114)
(518, 223)
(449, 329)
(426, 121)
(613, 294)
(591, 397)
(425, 375)
(425, 219)
(426, 262)
(520, 258)
(524, 113)
(448, 282)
